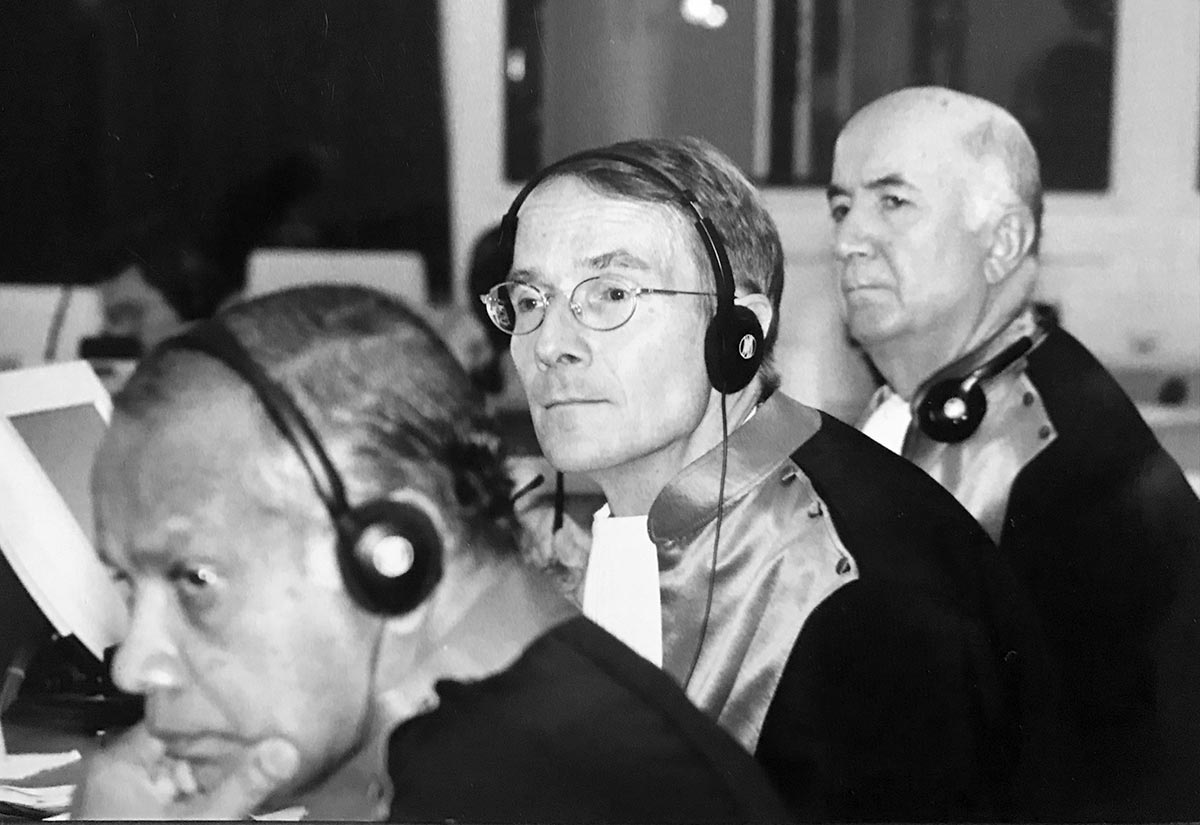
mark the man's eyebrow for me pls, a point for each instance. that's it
(132, 558)
(887, 181)
(617, 257)
(524, 276)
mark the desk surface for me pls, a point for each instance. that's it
(20, 737)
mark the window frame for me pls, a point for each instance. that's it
(1137, 244)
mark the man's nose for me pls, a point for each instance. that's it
(148, 659)
(854, 234)
(561, 338)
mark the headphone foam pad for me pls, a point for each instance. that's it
(360, 536)
(949, 413)
(733, 349)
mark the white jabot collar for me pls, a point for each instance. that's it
(620, 588)
(888, 423)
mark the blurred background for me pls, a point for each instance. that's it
(162, 158)
(159, 158)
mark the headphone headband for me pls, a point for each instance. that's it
(215, 340)
(389, 551)
(714, 247)
(1001, 361)
(733, 342)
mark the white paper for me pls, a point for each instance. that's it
(51, 798)
(16, 766)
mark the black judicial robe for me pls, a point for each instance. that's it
(867, 642)
(579, 729)
(1103, 529)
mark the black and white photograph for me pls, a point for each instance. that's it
(600, 411)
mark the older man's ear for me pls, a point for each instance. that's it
(1011, 242)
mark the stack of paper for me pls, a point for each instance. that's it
(29, 796)
(50, 799)
(16, 766)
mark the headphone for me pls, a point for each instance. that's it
(389, 551)
(733, 342)
(953, 408)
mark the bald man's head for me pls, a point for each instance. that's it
(936, 203)
(999, 165)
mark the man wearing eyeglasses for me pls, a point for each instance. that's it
(842, 616)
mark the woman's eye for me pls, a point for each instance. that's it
(614, 294)
(893, 201)
(838, 211)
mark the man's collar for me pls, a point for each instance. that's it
(756, 449)
(1024, 324)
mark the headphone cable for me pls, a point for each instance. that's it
(712, 570)
(560, 501)
(54, 332)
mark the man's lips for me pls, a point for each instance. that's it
(568, 402)
(855, 286)
(871, 294)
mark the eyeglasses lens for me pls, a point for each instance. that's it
(601, 303)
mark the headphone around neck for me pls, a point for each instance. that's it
(389, 551)
(733, 341)
(952, 409)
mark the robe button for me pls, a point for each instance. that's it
(1044, 431)
(1027, 399)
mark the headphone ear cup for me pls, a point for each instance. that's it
(733, 349)
(390, 555)
(950, 413)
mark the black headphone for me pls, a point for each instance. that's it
(953, 408)
(389, 552)
(733, 342)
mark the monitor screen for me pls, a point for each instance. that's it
(67, 461)
(52, 420)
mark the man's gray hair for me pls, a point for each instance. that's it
(390, 403)
(1009, 173)
(724, 195)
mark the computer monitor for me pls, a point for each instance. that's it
(52, 419)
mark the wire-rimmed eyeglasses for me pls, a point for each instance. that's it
(601, 303)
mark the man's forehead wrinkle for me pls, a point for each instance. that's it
(567, 223)
(212, 450)
(162, 542)
(151, 541)
(903, 146)
(590, 198)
